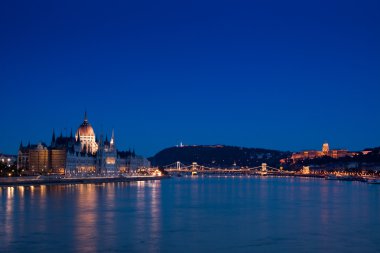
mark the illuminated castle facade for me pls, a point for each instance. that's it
(311, 154)
(79, 154)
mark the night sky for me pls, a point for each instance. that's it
(284, 75)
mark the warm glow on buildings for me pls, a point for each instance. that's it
(78, 154)
(110, 160)
(325, 148)
(305, 170)
(312, 154)
(157, 173)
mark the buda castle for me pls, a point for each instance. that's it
(81, 153)
(325, 152)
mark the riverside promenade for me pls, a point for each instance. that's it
(46, 180)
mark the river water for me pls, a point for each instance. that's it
(193, 214)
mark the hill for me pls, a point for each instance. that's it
(218, 156)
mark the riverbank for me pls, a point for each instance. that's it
(365, 179)
(28, 181)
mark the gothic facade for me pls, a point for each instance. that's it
(79, 154)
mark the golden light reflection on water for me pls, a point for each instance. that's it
(141, 216)
(85, 218)
(109, 216)
(31, 188)
(21, 190)
(325, 213)
(148, 210)
(140, 209)
(92, 210)
(40, 195)
(9, 212)
(140, 198)
(10, 193)
(140, 184)
(155, 212)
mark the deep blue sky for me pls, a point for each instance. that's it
(274, 74)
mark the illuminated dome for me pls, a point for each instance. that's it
(85, 135)
(85, 129)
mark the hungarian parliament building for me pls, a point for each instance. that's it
(82, 153)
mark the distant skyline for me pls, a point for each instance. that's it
(285, 75)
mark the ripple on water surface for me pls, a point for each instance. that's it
(193, 214)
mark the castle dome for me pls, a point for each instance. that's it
(85, 129)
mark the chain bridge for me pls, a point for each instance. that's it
(179, 167)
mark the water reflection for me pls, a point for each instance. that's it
(192, 214)
(85, 231)
(8, 219)
(140, 228)
(147, 225)
(108, 226)
(155, 213)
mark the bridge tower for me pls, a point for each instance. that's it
(194, 166)
(306, 170)
(178, 164)
(263, 167)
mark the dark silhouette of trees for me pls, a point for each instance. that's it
(218, 156)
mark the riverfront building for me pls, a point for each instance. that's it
(7, 159)
(312, 154)
(81, 153)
